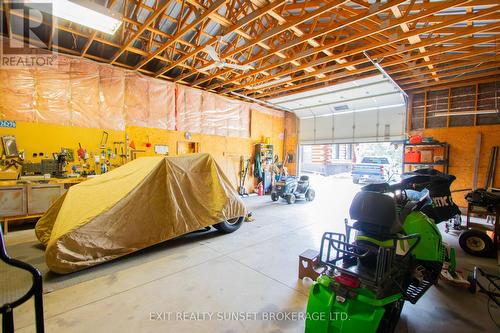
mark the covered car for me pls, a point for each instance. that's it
(142, 203)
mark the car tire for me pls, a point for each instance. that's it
(230, 225)
(355, 181)
(310, 194)
(274, 196)
(290, 198)
(476, 242)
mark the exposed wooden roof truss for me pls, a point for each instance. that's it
(294, 45)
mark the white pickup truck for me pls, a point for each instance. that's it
(371, 170)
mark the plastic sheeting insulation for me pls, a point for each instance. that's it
(207, 113)
(84, 93)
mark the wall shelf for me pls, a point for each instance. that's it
(442, 147)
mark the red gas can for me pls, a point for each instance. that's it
(260, 190)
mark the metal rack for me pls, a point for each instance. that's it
(444, 146)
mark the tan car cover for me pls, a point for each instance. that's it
(141, 203)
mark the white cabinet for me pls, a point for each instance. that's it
(41, 196)
(13, 200)
(26, 199)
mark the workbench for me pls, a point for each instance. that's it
(28, 199)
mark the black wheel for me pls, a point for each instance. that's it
(476, 242)
(391, 317)
(290, 198)
(274, 196)
(230, 225)
(310, 194)
(355, 181)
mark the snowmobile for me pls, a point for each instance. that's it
(395, 255)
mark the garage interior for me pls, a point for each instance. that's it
(179, 166)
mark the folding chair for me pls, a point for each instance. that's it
(19, 282)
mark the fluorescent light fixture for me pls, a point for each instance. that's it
(465, 113)
(86, 13)
(273, 82)
(276, 106)
(356, 110)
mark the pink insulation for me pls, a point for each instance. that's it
(189, 106)
(53, 94)
(112, 97)
(17, 95)
(84, 81)
(161, 104)
(84, 93)
(136, 100)
(207, 113)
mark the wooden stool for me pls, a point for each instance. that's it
(308, 261)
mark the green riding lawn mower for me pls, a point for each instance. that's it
(392, 253)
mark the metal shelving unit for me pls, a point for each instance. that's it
(444, 147)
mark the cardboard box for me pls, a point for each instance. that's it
(426, 156)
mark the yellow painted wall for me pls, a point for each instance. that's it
(48, 138)
(291, 141)
(462, 142)
(226, 150)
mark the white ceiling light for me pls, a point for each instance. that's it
(84, 12)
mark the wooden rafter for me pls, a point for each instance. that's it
(314, 43)
(354, 38)
(213, 8)
(152, 17)
(430, 52)
(241, 23)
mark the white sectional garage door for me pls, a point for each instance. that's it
(367, 110)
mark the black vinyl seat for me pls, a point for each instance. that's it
(303, 184)
(375, 214)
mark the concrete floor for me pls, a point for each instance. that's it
(253, 270)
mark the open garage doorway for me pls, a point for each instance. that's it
(343, 124)
(339, 159)
(338, 171)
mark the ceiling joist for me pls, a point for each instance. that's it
(305, 44)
